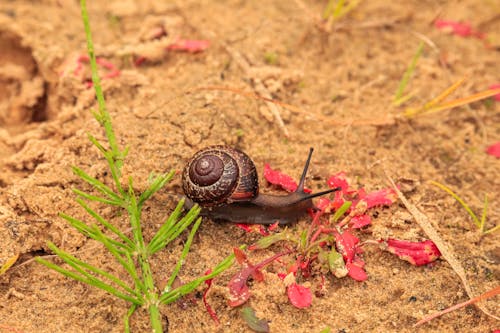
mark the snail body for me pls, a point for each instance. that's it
(224, 182)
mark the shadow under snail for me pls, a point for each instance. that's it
(224, 182)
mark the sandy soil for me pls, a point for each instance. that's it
(342, 80)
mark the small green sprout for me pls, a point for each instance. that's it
(271, 58)
(132, 251)
(398, 96)
(480, 223)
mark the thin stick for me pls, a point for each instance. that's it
(486, 295)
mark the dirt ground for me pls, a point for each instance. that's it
(342, 80)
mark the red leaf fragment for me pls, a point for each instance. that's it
(494, 150)
(355, 270)
(339, 180)
(238, 289)
(497, 96)
(188, 45)
(463, 29)
(383, 197)
(346, 244)
(278, 178)
(299, 296)
(209, 309)
(416, 253)
(360, 221)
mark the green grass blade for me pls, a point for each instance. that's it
(460, 201)
(157, 184)
(489, 231)
(184, 253)
(166, 226)
(341, 211)
(97, 184)
(127, 264)
(106, 224)
(408, 73)
(176, 230)
(126, 319)
(483, 215)
(77, 263)
(175, 294)
(96, 198)
(93, 282)
(83, 228)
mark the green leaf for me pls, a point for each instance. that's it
(256, 324)
(340, 212)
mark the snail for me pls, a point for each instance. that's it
(224, 182)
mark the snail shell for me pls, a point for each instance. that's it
(219, 175)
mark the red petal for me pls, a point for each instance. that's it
(382, 197)
(356, 271)
(360, 221)
(323, 203)
(299, 296)
(458, 28)
(187, 45)
(277, 178)
(346, 245)
(494, 149)
(244, 226)
(416, 253)
(339, 180)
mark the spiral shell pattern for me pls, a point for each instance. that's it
(218, 175)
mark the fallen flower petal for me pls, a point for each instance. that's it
(346, 245)
(458, 28)
(383, 197)
(494, 150)
(356, 271)
(360, 221)
(416, 253)
(339, 180)
(188, 45)
(256, 324)
(278, 178)
(299, 296)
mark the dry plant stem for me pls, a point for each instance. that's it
(493, 292)
(258, 86)
(446, 252)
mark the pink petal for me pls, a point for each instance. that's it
(458, 28)
(277, 178)
(244, 226)
(299, 296)
(382, 197)
(346, 244)
(496, 86)
(355, 270)
(494, 150)
(416, 253)
(360, 221)
(188, 45)
(339, 180)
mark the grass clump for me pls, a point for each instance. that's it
(132, 252)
